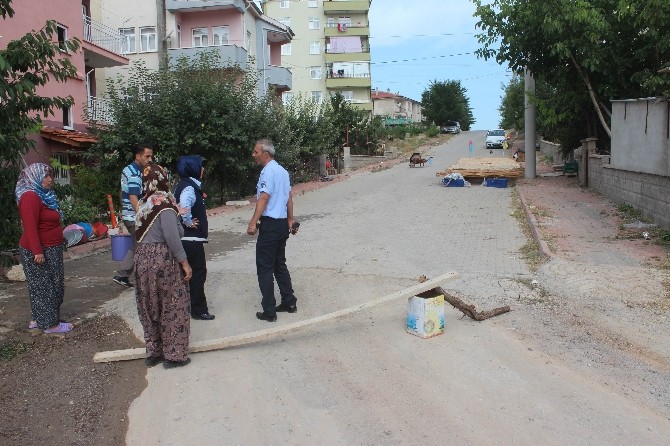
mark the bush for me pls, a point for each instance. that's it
(432, 131)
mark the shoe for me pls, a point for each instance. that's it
(203, 316)
(266, 316)
(153, 360)
(286, 308)
(122, 281)
(167, 364)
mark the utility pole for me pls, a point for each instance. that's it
(529, 125)
(161, 44)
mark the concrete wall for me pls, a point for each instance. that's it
(640, 129)
(644, 191)
(551, 150)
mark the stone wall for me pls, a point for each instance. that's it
(644, 191)
(551, 150)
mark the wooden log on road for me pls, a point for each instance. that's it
(264, 335)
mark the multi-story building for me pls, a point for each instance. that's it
(395, 109)
(331, 49)
(237, 29)
(64, 135)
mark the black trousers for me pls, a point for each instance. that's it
(195, 254)
(271, 261)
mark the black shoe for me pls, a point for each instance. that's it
(286, 308)
(167, 364)
(203, 316)
(266, 316)
(153, 360)
(122, 281)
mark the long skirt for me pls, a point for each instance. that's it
(46, 285)
(163, 302)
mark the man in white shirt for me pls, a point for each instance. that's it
(274, 211)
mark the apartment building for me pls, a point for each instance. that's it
(331, 49)
(395, 109)
(64, 135)
(237, 29)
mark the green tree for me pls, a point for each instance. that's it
(600, 49)
(25, 65)
(447, 101)
(512, 105)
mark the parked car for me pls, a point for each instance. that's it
(495, 139)
(451, 127)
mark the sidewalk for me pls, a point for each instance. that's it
(577, 224)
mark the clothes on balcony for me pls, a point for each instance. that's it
(350, 44)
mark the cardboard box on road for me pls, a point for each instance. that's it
(425, 314)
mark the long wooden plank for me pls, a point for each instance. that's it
(262, 335)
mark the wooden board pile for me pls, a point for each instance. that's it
(485, 167)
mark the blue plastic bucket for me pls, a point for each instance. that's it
(121, 243)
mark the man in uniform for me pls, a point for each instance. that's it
(274, 211)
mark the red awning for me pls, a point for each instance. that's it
(69, 137)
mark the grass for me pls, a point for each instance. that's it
(630, 214)
(10, 350)
(530, 252)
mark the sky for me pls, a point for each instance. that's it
(415, 42)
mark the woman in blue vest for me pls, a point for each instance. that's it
(189, 195)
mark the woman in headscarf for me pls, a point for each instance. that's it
(162, 273)
(41, 247)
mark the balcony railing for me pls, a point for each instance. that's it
(338, 74)
(103, 36)
(100, 110)
(364, 49)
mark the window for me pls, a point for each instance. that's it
(286, 21)
(317, 96)
(220, 35)
(346, 21)
(315, 72)
(128, 43)
(200, 37)
(312, 4)
(314, 23)
(287, 97)
(283, 4)
(67, 118)
(61, 169)
(286, 49)
(148, 39)
(348, 95)
(330, 23)
(315, 48)
(61, 31)
(178, 35)
(248, 42)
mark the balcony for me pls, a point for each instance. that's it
(103, 46)
(280, 77)
(348, 80)
(201, 5)
(230, 55)
(362, 105)
(332, 30)
(347, 57)
(346, 7)
(99, 110)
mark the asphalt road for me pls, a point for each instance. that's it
(363, 379)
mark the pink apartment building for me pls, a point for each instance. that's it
(64, 134)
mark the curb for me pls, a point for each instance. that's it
(534, 225)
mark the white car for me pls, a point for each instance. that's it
(495, 139)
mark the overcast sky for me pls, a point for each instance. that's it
(416, 42)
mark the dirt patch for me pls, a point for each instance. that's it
(54, 394)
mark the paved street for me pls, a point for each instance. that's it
(363, 380)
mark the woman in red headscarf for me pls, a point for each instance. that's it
(162, 273)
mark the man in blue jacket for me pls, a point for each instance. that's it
(189, 195)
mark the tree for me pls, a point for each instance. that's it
(596, 44)
(512, 105)
(25, 65)
(447, 101)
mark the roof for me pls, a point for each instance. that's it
(69, 137)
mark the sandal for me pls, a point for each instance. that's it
(63, 327)
(32, 325)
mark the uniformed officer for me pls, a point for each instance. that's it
(274, 210)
